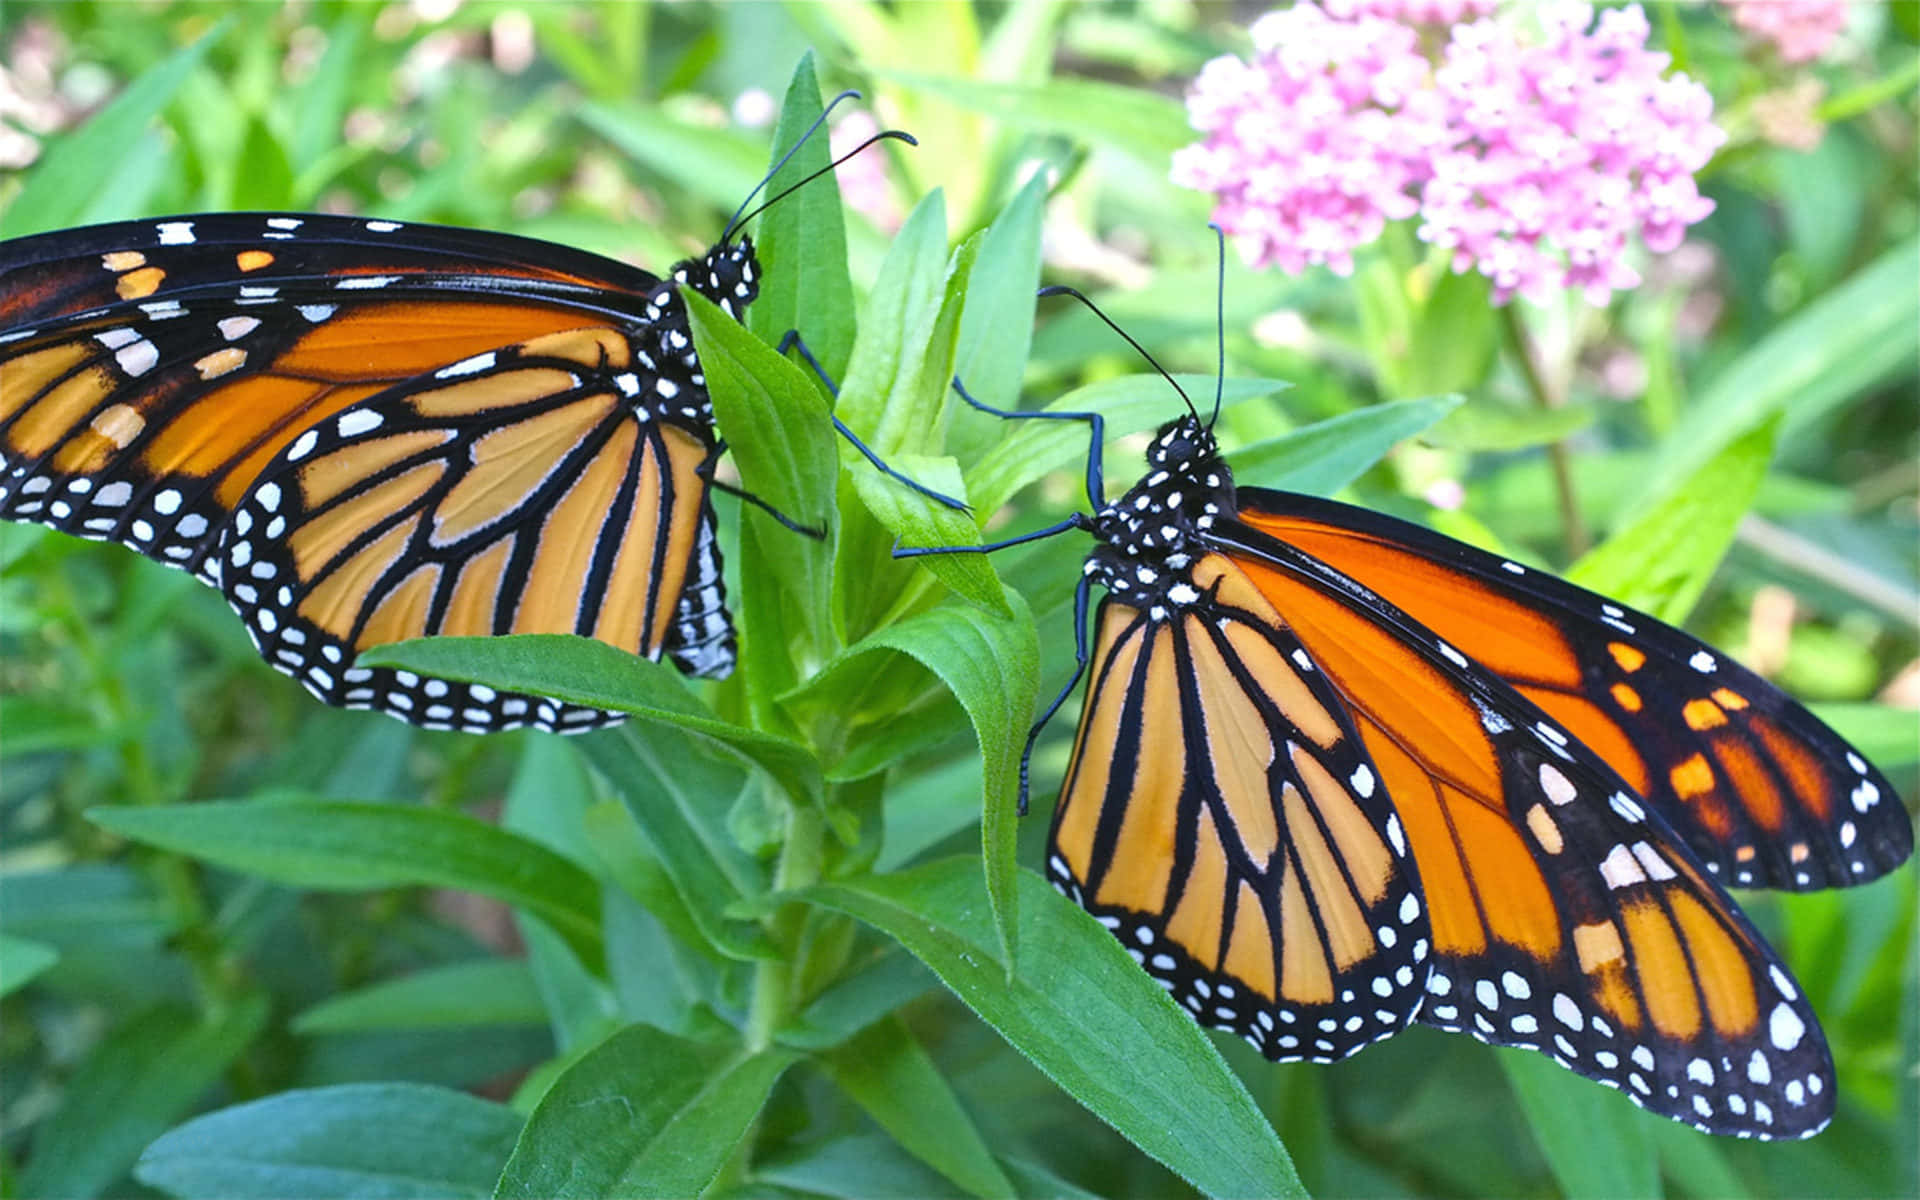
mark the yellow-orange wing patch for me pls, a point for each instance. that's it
(1565, 917)
(1222, 818)
(520, 491)
(1761, 791)
(149, 370)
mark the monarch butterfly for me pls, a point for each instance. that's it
(1336, 773)
(363, 431)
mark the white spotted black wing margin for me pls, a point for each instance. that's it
(532, 489)
(1566, 917)
(1763, 793)
(1223, 821)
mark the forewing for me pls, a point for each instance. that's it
(1762, 791)
(150, 370)
(1221, 817)
(1565, 917)
(526, 490)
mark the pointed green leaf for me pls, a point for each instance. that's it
(802, 243)
(142, 1077)
(1595, 1141)
(587, 672)
(1662, 561)
(642, 1114)
(1863, 331)
(21, 960)
(395, 1141)
(1328, 455)
(678, 799)
(1087, 1015)
(992, 666)
(896, 1081)
(488, 991)
(83, 168)
(342, 846)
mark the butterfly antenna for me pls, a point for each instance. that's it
(1061, 289)
(792, 150)
(899, 135)
(1219, 322)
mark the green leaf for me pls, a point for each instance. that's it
(1593, 1139)
(896, 381)
(457, 996)
(137, 1081)
(1142, 124)
(21, 959)
(267, 183)
(643, 1113)
(1661, 562)
(996, 329)
(717, 165)
(1328, 455)
(678, 800)
(895, 401)
(547, 802)
(781, 435)
(802, 245)
(1128, 403)
(342, 846)
(1086, 1015)
(896, 1081)
(84, 169)
(857, 1001)
(396, 1141)
(1861, 332)
(915, 520)
(992, 666)
(587, 672)
(1493, 427)
(1882, 733)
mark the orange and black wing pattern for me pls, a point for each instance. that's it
(1565, 916)
(159, 379)
(150, 370)
(1761, 791)
(521, 491)
(1222, 819)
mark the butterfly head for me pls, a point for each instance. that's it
(728, 275)
(1150, 537)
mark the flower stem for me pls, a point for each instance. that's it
(773, 978)
(1575, 536)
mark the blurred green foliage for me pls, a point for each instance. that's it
(422, 964)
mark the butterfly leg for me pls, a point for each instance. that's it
(1082, 595)
(705, 471)
(1096, 487)
(793, 341)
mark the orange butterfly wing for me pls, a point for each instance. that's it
(150, 370)
(1222, 819)
(1761, 791)
(1565, 917)
(521, 491)
(366, 431)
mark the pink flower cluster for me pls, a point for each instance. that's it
(1801, 30)
(1414, 12)
(1534, 160)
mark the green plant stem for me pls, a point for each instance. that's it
(773, 979)
(1576, 537)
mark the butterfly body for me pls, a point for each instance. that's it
(1343, 815)
(364, 431)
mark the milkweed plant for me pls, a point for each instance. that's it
(1547, 277)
